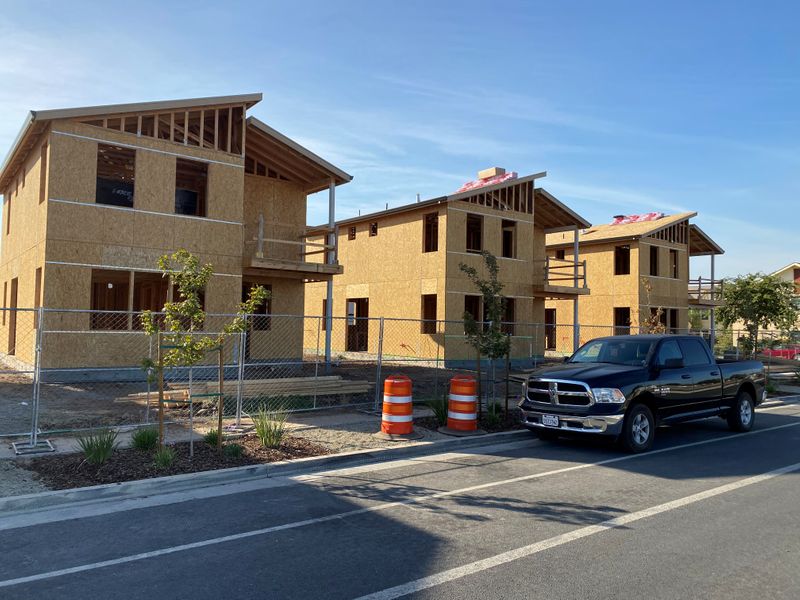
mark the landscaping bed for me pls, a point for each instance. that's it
(66, 471)
(490, 424)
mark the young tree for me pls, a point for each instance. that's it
(488, 337)
(182, 318)
(653, 321)
(759, 301)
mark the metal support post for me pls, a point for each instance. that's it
(332, 258)
(576, 327)
(712, 317)
(34, 444)
(379, 364)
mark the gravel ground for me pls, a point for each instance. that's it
(16, 482)
(357, 436)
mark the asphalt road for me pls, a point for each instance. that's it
(708, 514)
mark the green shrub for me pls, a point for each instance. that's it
(211, 437)
(270, 427)
(771, 388)
(98, 447)
(145, 439)
(494, 415)
(164, 457)
(233, 450)
(439, 408)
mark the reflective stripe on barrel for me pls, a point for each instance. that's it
(397, 416)
(462, 404)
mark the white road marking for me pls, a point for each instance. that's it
(559, 540)
(360, 511)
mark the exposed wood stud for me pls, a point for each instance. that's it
(202, 128)
(122, 124)
(244, 127)
(216, 129)
(186, 128)
(139, 125)
(172, 127)
(230, 128)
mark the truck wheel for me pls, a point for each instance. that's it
(742, 414)
(638, 429)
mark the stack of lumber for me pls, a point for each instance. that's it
(331, 385)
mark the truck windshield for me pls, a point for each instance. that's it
(617, 352)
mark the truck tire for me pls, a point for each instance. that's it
(638, 429)
(742, 414)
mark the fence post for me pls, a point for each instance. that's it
(378, 366)
(34, 445)
(240, 374)
(316, 358)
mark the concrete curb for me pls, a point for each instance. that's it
(142, 488)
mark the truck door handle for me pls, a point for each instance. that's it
(686, 376)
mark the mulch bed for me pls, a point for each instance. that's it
(64, 471)
(507, 422)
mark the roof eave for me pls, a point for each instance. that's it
(342, 176)
(113, 109)
(580, 222)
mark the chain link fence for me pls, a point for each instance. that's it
(72, 370)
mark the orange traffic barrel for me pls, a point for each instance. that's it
(397, 416)
(462, 404)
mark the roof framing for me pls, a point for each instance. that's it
(292, 158)
(37, 122)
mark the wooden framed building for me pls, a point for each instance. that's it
(403, 263)
(635, 266)
(94, 195)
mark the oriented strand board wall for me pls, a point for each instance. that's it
(22, 251)
(92, 234)
(283, 205)
(284, 339)
(596, 311)
(517, 275)
(607, 291)
(393, 272)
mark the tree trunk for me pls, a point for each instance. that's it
(478, 373)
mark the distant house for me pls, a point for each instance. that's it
(403, 264)
(635, 266)
(94, 195)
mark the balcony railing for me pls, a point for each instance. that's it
(283, 248)
(563, 273)
(705, 291)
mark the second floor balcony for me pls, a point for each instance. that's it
(705, 292)
(285, 250)
(560, 278)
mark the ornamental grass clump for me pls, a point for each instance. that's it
(270, 427)
(146, 439)
(438, 406)
(98, 447)
(164, 457)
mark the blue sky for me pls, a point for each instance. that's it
(629, 106)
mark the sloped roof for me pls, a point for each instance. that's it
(554, 214)
(627, 231)
(291, 156)
(794, 265)
(700, 244)
(37, 122)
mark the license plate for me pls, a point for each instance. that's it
(550, 420)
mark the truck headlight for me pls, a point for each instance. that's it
(608, 396)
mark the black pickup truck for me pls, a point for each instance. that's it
(626, 386)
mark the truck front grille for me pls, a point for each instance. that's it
(557, 392)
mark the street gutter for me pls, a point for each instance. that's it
(143, 488)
